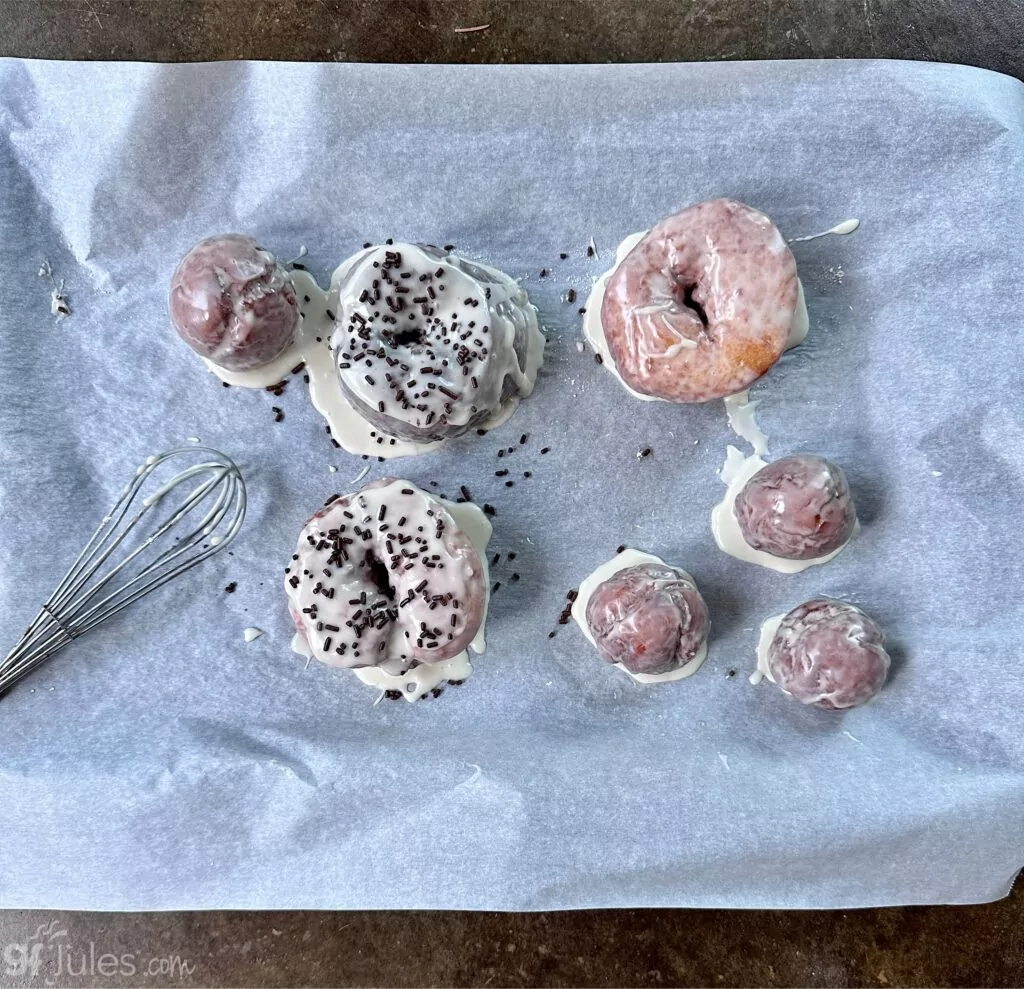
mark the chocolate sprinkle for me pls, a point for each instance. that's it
(230, 589)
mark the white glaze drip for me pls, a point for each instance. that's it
(740, 410)
(768, 629)
(840, 229)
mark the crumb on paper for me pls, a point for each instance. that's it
(58, 300)
(470, 30)
(579, 346)
(193, 439)
(361, 475)
(251, 633)
(644, 453)
(332, 469)
(724, 758)
(592, 249)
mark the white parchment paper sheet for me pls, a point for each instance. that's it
(163, 762)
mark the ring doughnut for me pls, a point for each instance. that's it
(428, 345)
(385, 577)
(702, 306)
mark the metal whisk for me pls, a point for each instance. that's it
(111, 572)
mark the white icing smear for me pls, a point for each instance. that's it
(312, 347)
(768, 629)
(735, 473)
(840, 229)
(631, 558)
(414, 684)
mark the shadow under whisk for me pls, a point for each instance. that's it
(155, 531)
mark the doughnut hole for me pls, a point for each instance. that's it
(829, 654)
(797, 508)
(651, 619)
(232, 303)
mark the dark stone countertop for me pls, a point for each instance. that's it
(919, 946)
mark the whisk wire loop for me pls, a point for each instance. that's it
(110, 574)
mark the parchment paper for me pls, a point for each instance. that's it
(163, 762)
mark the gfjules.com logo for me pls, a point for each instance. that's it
(47, 956)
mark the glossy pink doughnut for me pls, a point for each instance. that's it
(702, 306)
(232, 303)
(830, 654)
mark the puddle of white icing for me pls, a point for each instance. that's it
(735, 473)
(415, 683)
(768, 629)
(740, 409)
(846, 227)
(630, 558)
(348, 427)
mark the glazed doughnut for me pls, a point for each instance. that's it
(789, 515)
(428, 345)
(825, 652)
(703, 305)
(649, 618)
(385, 577)
(233, 304)
(644, 616)
(797, 508)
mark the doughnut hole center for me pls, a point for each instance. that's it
(377, 572)
(411, 336)
(690, 302)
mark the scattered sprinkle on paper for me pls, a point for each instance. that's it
(470, 30)
(193, 439)
(251, 633)
(592, 250)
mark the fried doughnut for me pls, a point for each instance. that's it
(644, 616)
(825, 652)
(429, 345)
(797, 508)
(232, 303)
(385, 577)
(703, 305)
